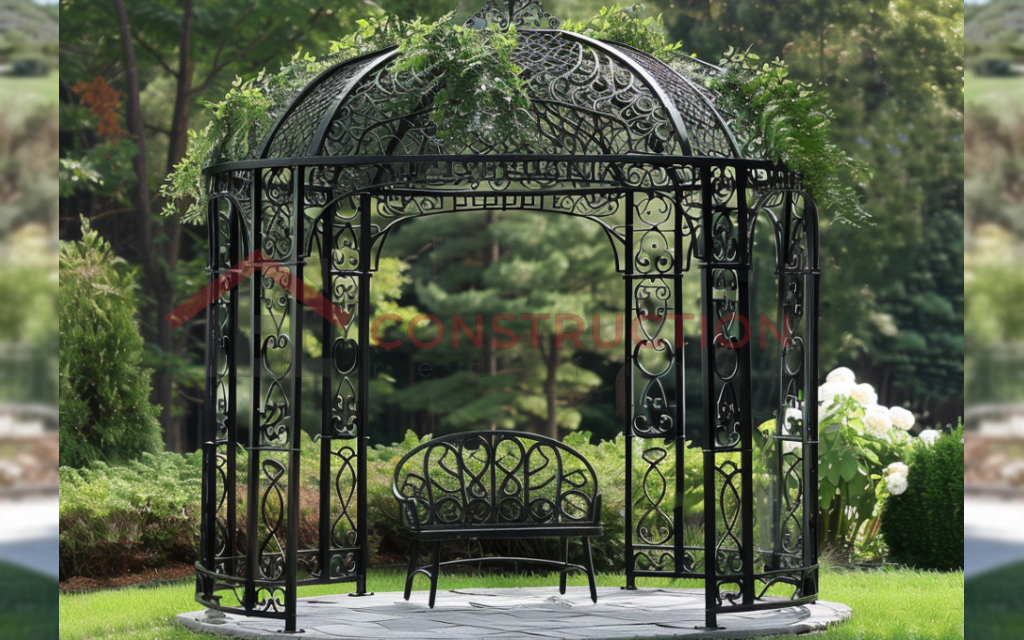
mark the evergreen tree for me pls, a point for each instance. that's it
(476, 267)
(105, 411)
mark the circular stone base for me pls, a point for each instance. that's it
(520, 614)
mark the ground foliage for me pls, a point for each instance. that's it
(143, 515)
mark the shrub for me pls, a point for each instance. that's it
(104, 391)
(923, 526)
(120, 519)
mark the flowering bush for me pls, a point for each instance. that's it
(863, 454)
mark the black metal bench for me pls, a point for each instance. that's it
(496, 485)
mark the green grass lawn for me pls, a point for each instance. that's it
(28, 605)
(887, 604)
(995, 604)
(994, 91)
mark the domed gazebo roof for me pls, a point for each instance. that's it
(589, 97)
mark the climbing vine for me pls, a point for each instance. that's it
(786, 121)
(627, 25)
(473, 90)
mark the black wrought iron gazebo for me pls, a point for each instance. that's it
(623, 139)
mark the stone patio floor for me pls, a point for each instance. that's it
(520, 614)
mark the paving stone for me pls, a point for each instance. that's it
(520, 614)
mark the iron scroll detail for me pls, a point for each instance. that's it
(524, 14)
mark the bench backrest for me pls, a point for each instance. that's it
(495, 478)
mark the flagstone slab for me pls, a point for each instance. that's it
(524, 614)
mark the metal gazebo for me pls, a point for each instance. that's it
(625, 140)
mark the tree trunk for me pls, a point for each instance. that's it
(177, 147)
(178, 143)
(551, 360)
(153, 272)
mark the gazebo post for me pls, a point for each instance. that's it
(708, 399)
(208, 517)
(327, 398)
(628, 304)
(812, 280)
(744, 264)
(363, 431)
(255, 371)
(295, 428)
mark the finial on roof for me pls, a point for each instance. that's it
(524, 14)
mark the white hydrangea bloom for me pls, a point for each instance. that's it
(896, 469)
(865, 394)
(896, 484)
(901, 418)
(928, 436)
(877, 421)
(827, 392)
(842, 374)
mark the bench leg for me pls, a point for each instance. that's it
(565, 570)
(414, 558)
(434, 571)
(590, 569)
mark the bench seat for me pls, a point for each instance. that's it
(496, 485)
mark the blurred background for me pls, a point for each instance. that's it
(28, 318)
(993, 328)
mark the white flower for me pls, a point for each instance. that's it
(896, 469)
(928, 436)
(896, 484)
(877, 421)
(901, 418)
(842, 374)
(790, 446)
(793, 418)
(865, 394)
(828, 392)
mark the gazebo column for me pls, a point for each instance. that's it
(346, 269)
(726, 390)
(653, 385)
(362, 429)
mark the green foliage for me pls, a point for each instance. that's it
(74, 174)
(236, 128)
(787, 122)
(478, 91)
(851, 460)
(104, 392)
(924, 525)
(115, 519)
(628, 26)
(120, 519)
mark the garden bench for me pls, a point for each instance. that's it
(496, 485)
